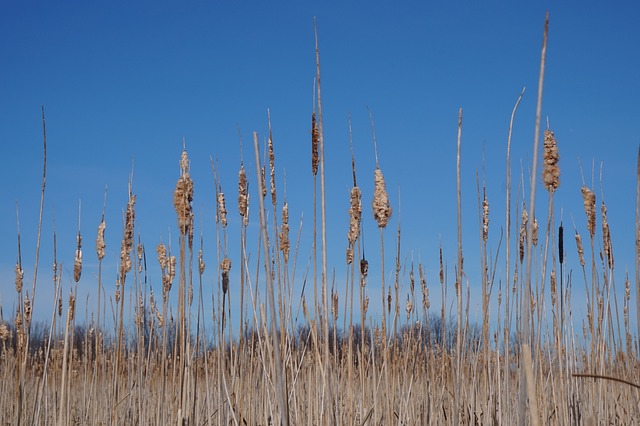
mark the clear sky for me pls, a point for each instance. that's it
(123, 83)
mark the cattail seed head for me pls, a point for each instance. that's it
(19, 278)
(589, 199)
(77, 264)
(381, 206)
(127, 239)
(523, 233)
(580, 249)
(222, 210)
(100, 244)
(201, 264)
(225, 266)
(551, 170)
(315, 141)
(561, 243)
(272, 170)
(534, 232)
(183, 196)
(334, 305)
(408, 307)
(72, 306)
(27, 311)
(606, 236)
(243, 195)
(284, 232)
(4, 332)
(485, 218)
(355, 215)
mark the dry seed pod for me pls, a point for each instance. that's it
(315, 140)
(580, 249)
(243, 194)
(183, 196)
(485, 218)
(77, 264)
(355, 215)
(222, 210)
(284, 233)
(100, 244)
(523, 233)
(534, 233)
(4, 332)
(19, 278)
(589, 199)
(201, 264)
(272, 170)
(408, 307)
(551, 170)
(381, 205)
(127, 239)
(606, 237)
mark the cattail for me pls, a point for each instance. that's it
(127, 239)
(589, 199)
(20, 331)
(117, 294)
(272, 170)
(561, 243)
(19, 278)
(389, 299)
(27, 311)
(534, 232)
(225, 266)
(72, 306)
(381, 206)
(201, 264)
(161, 249)
(554, 288)
(183, 196)
(77, 264)
(355, 217)
(408, 306)
(523, 233)
(243, 195)
(100, 244)
(60, 303)
(222, 210)
(160, 318)
(315, 141)
(441, 268)
(425, 290)
(284, 232)
(580, 249)
(485, 218)
(606, 237)
(4, 332)
(140, 250)
(264, 182)
(365, 305)
(551, 170)
(334, 305)
(364, 270)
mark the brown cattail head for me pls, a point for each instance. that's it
(222, 210)
(27, 311)
(77, 264)
(334, 305)
(243, 195)
(315, 140)
(534, 232)
(589, 199)
(580, 249)
(408, 307)
(19, 278)
(72, 306)
(355, 215)
(551, 170)
(183, 196)
(127, 239)
(523, 233)
(561, 243)
(201, 264)
(4, 332)
(485, 218)
(381, 206)
(225, 266)
(425, 290)
(284, 232)
(100, 244)
(606, 237)
(272, 170)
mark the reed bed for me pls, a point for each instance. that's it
(291, 361)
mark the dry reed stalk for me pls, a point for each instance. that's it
(637, 247)
(526, 301)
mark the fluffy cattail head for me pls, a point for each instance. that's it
(19, 277)
(183, 196)
(243, 195)
(381, 205)
(284, 232)
(225, 266)
(127, 239)
(77, 264)
(580, 249)
(222, 210)
(606, 236)
(100, 244)
(272, 170)
(315, 140)
(485, 218)
(589, 199)
(551, 170)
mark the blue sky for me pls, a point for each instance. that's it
(123, 83)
